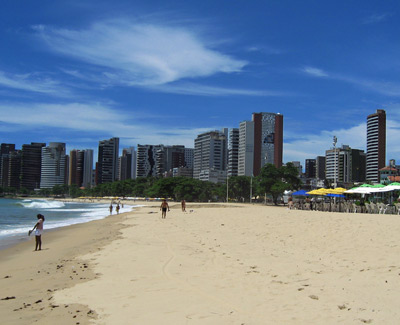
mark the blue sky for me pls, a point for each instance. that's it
(154, 72)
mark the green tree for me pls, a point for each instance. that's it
(274, 181)
(239, 188)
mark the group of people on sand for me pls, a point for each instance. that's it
(38, 228)
(117, 208)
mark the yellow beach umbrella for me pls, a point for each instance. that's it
(339, 190)
(320, 191)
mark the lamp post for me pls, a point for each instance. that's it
(334, 155)
(227, 188)
(251, 188)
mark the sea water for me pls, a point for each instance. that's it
(19, 216)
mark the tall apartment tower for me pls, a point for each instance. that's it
(189, 157)
(210, 157)
(87, 178)
(174, 157)
(246, 148)
(233, 152)
(345, 164)
(5, 150)
(268, 140)
(54, 165)
(127, 164)
(320, 166)
(76, 162)
(310, 168)
(148, 160)
(31, 163)
(107, 168)
(260, 143)
(376, 144)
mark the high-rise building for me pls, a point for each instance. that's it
(76, 162)
(174, 157)
(310, 168)
(127, 164)
(5, 150)
(189, 157)
(264, 137)
(246, 148)
(268, 140)
(87, 178)
(210, 157)
(345, 165)
(149, 160)
(80, 168)
(320, 167)
(54, 165)
(233, 152)
(31, 164)
(107, 168)
(376, 144)
(298, 166)
(14, 170)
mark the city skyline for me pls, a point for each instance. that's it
(157, 73)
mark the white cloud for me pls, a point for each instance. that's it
(92, 118)
(33, 83)
(196, 89)
(314, 72)
(140, 54)
(382, 87)
(309, 146)
(376, 18)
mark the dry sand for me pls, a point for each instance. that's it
(216, 265)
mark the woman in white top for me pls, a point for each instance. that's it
(38, 232)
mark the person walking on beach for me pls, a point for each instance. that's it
(164, 206)
(183, 204)
(38, 232)
(117, 208)
(111, 208)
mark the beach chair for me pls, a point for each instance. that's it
(374, 208)
(397, 208)
(347, 207)
(356, 208)
(368, 207)
(381, 208)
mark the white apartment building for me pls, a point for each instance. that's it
(246, 148)
(210, 157)
(54, 165)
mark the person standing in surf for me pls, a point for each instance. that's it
(38, 232)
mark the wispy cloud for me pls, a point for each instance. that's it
(382, 87)
(33, 82)
(197, 89)
(140, 54)
(94, 118)
(376, 18)
(314, 72)
(263, 49)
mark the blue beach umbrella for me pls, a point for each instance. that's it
(301, 192)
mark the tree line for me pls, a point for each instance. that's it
(271, 182)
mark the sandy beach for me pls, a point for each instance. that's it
(214, 264)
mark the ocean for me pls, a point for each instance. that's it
(18, 216)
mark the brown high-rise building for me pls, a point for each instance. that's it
(268, 140)
(76, 167)
(376, 144)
